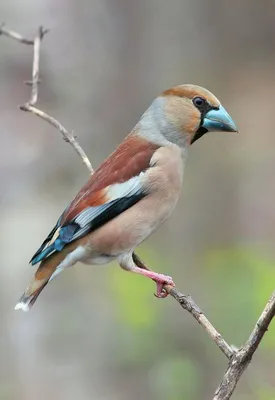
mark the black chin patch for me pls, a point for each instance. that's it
(200, 132)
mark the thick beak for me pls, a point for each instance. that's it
(219, 120)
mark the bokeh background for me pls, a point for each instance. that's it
(99, 333)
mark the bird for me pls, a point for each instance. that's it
(132, 193)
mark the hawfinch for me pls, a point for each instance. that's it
(133, 191)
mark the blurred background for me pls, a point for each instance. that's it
(99, 334)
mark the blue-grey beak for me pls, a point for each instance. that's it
(219, 120)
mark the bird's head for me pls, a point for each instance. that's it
(194, 111)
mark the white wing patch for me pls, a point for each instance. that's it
(118, 198)
(89, 214)
(114, 193)
(131, 187)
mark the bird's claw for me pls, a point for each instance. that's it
(161, 292)
(164, 280)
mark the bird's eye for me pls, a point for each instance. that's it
(198, 102)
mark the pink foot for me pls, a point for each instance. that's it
(162, 280)
(161, 292)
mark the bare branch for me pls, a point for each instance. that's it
(67, 136)
(261, 327)
(188, 304)
(14, 35)
(242, 357)
(29, 106)
(35, 67)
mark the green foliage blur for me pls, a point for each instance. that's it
(242, 280)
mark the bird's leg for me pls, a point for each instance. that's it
(133, 263)
(161, 292)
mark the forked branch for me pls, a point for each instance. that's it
(243, 356)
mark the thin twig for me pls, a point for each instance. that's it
(188, 304)
(14, 35)
(29, 106)
(35, 67)
(67, 136)
(242, 357)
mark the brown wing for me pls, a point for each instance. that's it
(129, 159)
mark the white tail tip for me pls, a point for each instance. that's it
(22, 306)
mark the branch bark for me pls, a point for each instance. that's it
(243, 356)
(238, 360)
(188, 304)
(14, 35)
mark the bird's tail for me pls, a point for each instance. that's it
(29, 297)
(46, 271)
